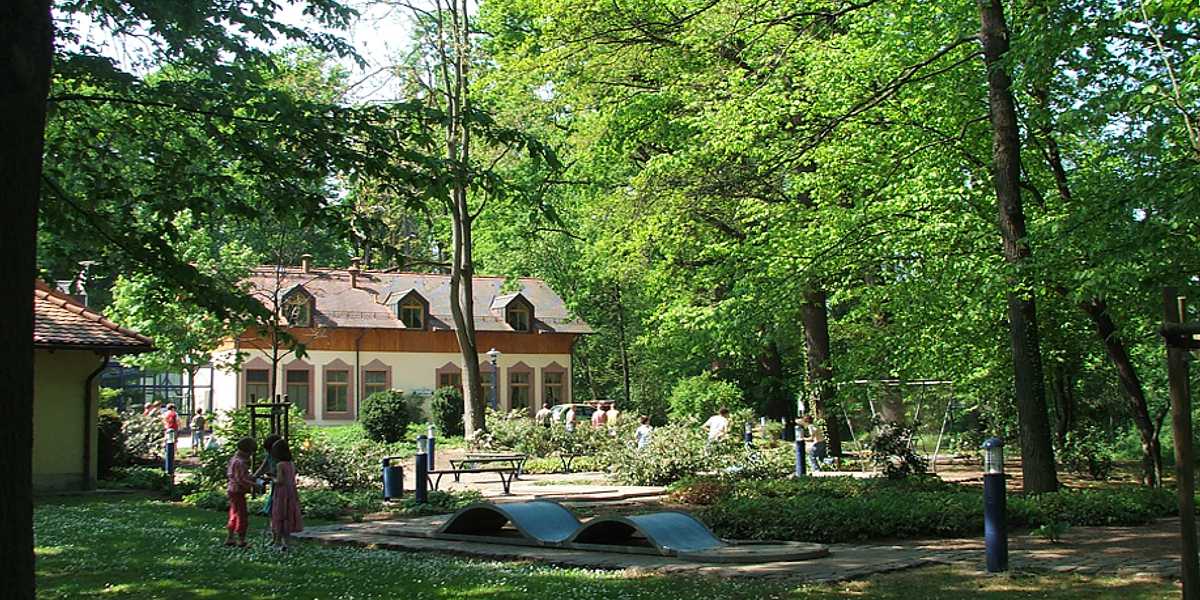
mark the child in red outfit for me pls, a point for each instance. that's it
(240, 484)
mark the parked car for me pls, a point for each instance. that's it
(583, 412)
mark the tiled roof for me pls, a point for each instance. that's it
(373, 303)
(60, 321)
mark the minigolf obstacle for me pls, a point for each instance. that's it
(667, 533)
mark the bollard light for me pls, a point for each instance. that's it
(422, 445)
(995, 506)
(421, 491)
(993, 456)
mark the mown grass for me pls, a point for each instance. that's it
(139, 547)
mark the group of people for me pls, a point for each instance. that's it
(171, 426)
(277, 473)
(813, 436)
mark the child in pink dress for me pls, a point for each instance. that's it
(240, 484)
(285, 502)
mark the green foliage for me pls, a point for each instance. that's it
(515, 431)
(385, 415)
(1053, 532)
(702, 395)
(1089, 452)
(144, 436)
(842, 509)
(439, 502)
(446, 411)
(140, 478)
(108, 398)
(110, 442)
(231, 426)
(892, 451)
(676, 451)
(208, 499)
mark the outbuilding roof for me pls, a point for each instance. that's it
(372, 302)
(61, 322)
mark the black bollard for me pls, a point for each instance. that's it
(995, 518)
(801, 461)
(421, 493)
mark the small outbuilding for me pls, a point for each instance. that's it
(72, 345)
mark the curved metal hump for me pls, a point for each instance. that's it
(539, 522)
(667, 532)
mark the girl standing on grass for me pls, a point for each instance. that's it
(240, 484)
(266, 470)
(285, 501)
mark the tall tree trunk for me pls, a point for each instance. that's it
(780, 404)
(1152, 466)
(1064, 394)
(820, 369)
(1037, 452)
(623, 343)
(25, 50)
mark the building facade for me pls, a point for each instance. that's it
(367, 331)
(72, 345)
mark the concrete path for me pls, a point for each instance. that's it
(1150, 551)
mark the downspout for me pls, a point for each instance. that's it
(88, 426)
(358, 382)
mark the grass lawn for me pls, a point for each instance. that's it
(137, 547)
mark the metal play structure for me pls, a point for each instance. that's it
(929, 406)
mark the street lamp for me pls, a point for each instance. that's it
(995, 524)
(494, 354)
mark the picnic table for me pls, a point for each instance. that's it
(477, 459)
(507, 475)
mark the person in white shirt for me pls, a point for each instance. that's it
(643, 433)
(569, 419)
(610, 416)
(543, 416)
(717, 425)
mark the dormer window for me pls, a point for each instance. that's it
(412, 313)
(297, 309)
(412, 310)
(518, 317)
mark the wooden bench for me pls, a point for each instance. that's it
(507, 475)
(472, 460)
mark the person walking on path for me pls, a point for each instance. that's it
(285, 501)
(239, 484)
(600, 416)
(643, 433)
(569, 419)
(717, 425)
(543, 416)
(610, 416)
(198, 423)
(814, 442)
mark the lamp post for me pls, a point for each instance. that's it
(494, 355)
(431, 461)
(995, 525)
(421, 493)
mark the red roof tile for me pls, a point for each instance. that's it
(60, 321)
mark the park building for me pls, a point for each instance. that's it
(365, 331)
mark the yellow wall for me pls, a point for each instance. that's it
(59, 377)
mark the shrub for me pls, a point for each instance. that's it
(446, 411)
(231, 426)
(842, 509)
(385, 415)
(1089, 452)
(143, 436)
(702, 395)
(892, 451)
(676, 450)
(209, 499)
(110, 442)
(515, 431)
(141, 478)
(439, 503)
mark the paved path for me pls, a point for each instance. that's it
(1150, 551)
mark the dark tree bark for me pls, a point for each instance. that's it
(623, 344)
(1037, 452)
(1064, 394)
(25, 50)
(1148, 430)
(779, 403)
(820, 369)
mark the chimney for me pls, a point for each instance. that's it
(353, 276)
(306, 262)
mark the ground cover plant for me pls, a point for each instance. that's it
(143, 548)
(842, 509)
